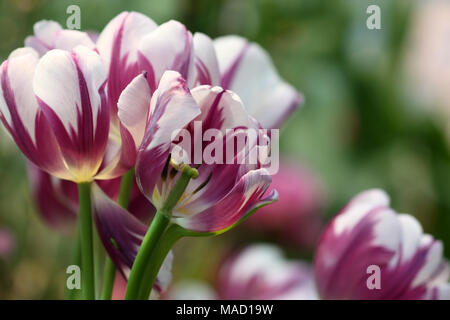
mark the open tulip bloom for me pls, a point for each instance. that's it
(369, 251)
(129, 103)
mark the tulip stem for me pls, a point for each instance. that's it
(109, 275)
(153, 235)
(172, 235)
(87, 252)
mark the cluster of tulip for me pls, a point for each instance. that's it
(97, 117)
(84, 108)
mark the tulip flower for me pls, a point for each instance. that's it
(228, 187)
(295, 218)
(55, 110)
(260, 272)
(368, 251)
(222, 194)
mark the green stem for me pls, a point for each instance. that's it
(170, 237)
(87, 254)
(126, 184)
(151, 238)
(154, 233)
(109, 274)
(99, 262)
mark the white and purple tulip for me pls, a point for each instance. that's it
(261, 272)
(56, 110)
(368, 251)
(223, 193)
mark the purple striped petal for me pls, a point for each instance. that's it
(70, 87)
(56, 199)
(248, 70)
(121, 234)
(367, 232)
(118, 44)
(134, 107)
(206, 64)
(21, 116)
(169, 47)
(246, 195)
(172, 108)
(214, 183)
(221, 109)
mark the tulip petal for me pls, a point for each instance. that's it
(206, 64)
(70, 88)
(172, 108)
(20, 113)
(69, 39)
(134, 106)
(169, 47)
(248, 70)
(121, 234)
(243, 198)
(56, 199)
(221, 109)
(118, 44)
(45, 32)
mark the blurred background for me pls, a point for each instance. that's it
(377, 114)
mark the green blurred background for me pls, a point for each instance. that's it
(358, 129)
